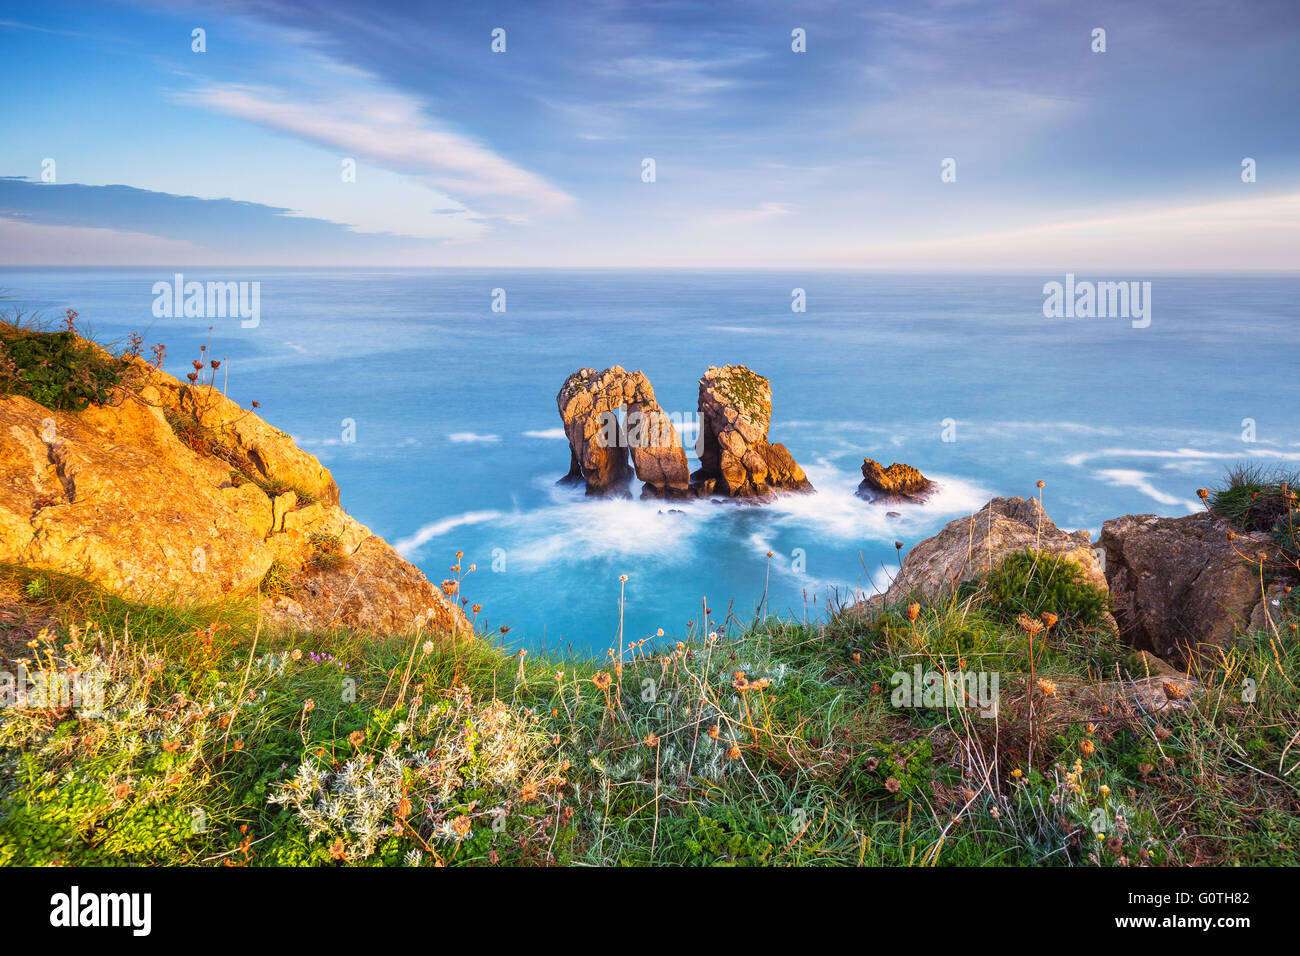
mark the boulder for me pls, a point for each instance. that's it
(171, 492)
(896, 484)
(1183, 586)
(970, 547)
(735, 408)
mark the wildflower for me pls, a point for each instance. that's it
(892, 785)
(602, 680)
(476, 608)
(713, 732)
(713, 635)
(1105, 790)
(761, 684)
(651, 740)
(528, 791)
(770, 553)
(1046, 686)
(1049, 619)
(357, 738)
(733, 752)
(660, 633)
(308, 706)
(1202, 493)
(449, 587)
(238, 745)
(1040, 483)
(913, 611)
(622, 578)
(1017, 773)
(1088, 747)
(461, 827)
(1029, 625)
(336, 850)
(1174, 690)
(427, 648)
(505, 629)
(296, 654)
(171, 746)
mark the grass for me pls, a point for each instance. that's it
(776, 743)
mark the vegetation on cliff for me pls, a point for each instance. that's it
(773, 743)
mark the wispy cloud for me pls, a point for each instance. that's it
(390, 130)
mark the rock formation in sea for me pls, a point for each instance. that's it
(893, 485)
(590, 404)
(736, 459)
(171, 492)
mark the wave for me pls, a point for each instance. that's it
(408, 545)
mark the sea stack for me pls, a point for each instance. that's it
(899, 483)
(736, 460)
(600, 439)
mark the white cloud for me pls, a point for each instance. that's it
(390, 130)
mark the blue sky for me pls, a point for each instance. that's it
(1065, 158)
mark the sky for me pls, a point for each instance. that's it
(125, 145)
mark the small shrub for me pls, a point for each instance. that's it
(1034, 582)
(55, 369)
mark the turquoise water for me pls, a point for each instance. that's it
(458, 442)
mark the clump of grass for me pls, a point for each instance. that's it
(277, 580)
(326, 552)
(1255, 498)
(1036, 582)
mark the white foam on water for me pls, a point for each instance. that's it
(1127, 478)
(572, 528)
(435, 529)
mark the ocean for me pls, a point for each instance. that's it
(437, 414)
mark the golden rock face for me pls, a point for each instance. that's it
(172, 492)
(896, 480)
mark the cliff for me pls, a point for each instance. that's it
(168, 491)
